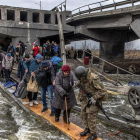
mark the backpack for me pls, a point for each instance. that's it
(56, 63)
(11, 49)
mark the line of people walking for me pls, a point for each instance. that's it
(58, 81)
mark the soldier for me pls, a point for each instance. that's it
(91, 83)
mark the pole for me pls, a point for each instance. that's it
(61, 36)
(40, 5)
(66, 111)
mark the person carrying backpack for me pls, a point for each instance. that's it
(11, 50)
(22, 48)
(57, 63)
(7, 64)
(21, 70)
(17, 52)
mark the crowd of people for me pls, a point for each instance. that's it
(47, 69)
(74, 54)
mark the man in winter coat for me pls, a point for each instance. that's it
(11, 49)
(92, 84)
(34, 64)
(55, 48)
(7, 64)
(45, 76)
(22, 48)
(49, 49)
(64, 88)
(21, 70)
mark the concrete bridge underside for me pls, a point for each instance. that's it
(111, 28)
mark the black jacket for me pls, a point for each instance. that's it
(20, 70)
(44, 78)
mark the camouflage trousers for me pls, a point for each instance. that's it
(89, 119)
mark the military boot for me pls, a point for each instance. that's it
(92, 136)
(85, 132)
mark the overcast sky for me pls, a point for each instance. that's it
(49, 4)
(71, 5)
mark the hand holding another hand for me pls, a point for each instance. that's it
(92, 101)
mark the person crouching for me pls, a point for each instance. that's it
(63, 88)
(45, 76)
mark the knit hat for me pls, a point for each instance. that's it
(17, 43)
(34, 43)
(45, 64)
(38, 56)
(66, 68)
(27, 55)
(8, 54)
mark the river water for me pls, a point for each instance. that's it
(15, 124)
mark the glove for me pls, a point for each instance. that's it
(92, 101)
(76, 83)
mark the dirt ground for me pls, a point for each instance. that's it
(130, 63)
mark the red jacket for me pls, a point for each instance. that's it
(35, 50)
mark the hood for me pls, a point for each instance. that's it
(61, 73)
(90, 74)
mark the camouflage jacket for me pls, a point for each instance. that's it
(93, 85)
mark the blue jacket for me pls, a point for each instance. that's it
(33, 65)
(55, 48)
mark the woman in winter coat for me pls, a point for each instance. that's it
(35, 50)
(64, 82)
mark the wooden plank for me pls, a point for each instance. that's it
(73, 131)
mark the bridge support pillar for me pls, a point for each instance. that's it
(111, 51)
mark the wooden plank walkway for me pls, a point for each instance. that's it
(73, 131)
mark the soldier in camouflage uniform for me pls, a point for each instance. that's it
(91, 83)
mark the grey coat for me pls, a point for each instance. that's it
(63, 84)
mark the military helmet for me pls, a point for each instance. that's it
(80, 72)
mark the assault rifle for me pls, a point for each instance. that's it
(89, 95)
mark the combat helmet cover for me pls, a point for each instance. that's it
(80, 72)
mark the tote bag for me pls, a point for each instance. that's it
(32, 85)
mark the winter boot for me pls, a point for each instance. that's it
(52, 113)
(65, 119)
(92, 136)
(56, 119)
(44, 109)
(85, 132)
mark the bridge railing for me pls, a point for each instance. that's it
(103, 64)
(60, 6)
(100, 8)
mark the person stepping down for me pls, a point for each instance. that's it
(92, 84)
(30, 66)
(45, 76)
(64, 83)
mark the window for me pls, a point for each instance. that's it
(10, 15)
(23, 16)
(47, 18)
(36, 17)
